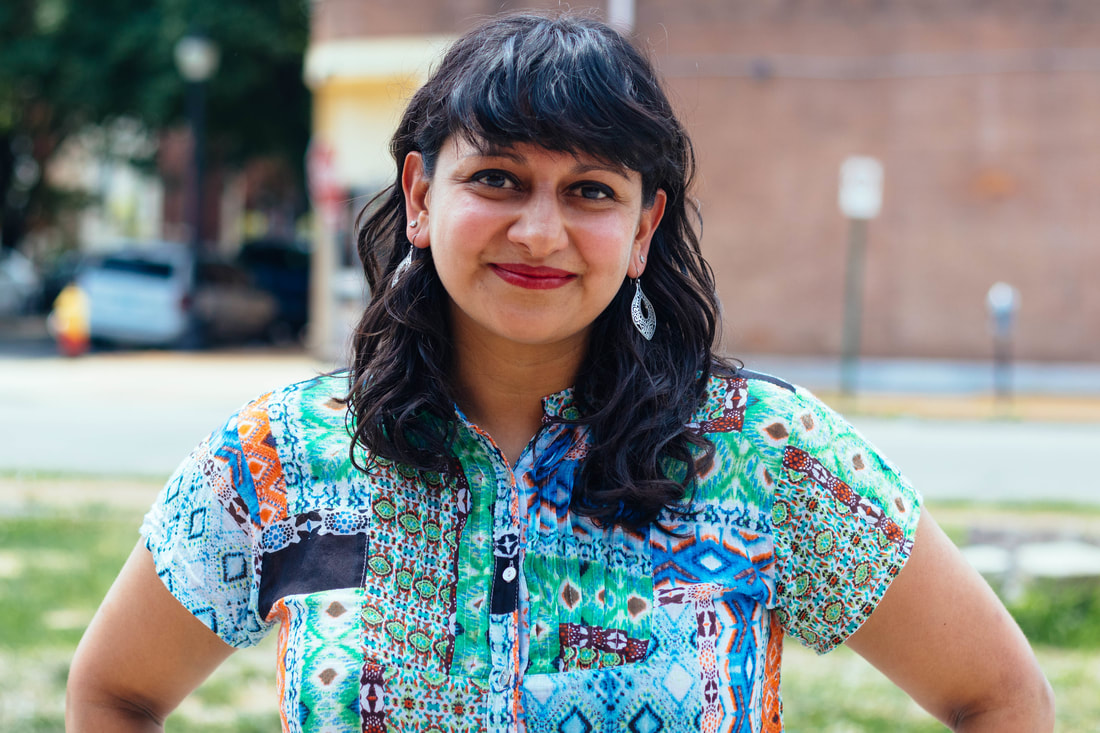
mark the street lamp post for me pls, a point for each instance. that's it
(860, 200)
(196, 59)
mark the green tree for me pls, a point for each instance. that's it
(69, 64)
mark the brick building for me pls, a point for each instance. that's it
(984, 115)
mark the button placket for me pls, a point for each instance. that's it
(504, 590)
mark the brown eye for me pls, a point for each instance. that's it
(595, 191)
(495, 179)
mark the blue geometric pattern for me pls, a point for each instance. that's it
(645, 721)
(575, 722)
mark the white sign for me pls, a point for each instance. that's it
(860, 187)
(1002, 299)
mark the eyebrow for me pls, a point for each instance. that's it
(504, 151)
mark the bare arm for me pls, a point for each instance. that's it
(141, 655)
(943, 636)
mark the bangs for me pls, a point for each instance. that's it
(561, 90)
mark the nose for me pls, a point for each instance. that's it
(540, 226)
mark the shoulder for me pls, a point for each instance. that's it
(748, 419)
(773, 429)
(320, 397)
(744, 401)
(287, 413)
(770, 413)
(308, 411)
(277, 439)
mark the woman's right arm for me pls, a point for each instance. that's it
(140, 657)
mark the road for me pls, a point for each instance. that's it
(140, 413)
(992, 460)
(122, 414)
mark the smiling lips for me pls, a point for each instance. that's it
(532, 278)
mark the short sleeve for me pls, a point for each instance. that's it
(201, 532)
(844, 522)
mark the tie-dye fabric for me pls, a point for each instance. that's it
(412, 603)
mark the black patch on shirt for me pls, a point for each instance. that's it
(505, 597)
(315, 563)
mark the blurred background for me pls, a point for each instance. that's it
(253, 132)
(898, 198)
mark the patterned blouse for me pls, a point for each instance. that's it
(406, 602)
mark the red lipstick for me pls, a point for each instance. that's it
(532, 278)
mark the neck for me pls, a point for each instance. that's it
(500, 386)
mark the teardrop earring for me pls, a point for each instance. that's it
(641, 312)
(402, 267)
(406, 262)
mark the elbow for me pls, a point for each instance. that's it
(1029, 709)
(90, 707)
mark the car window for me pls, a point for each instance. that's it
(161, 270)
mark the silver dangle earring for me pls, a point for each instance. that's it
(406, 263)
(641, 312)
(402, 267)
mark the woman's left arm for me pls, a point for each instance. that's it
(943, 636)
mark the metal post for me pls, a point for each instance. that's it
(853, 306)
(1003, 300)
(197, 60)
(1002, 367)
(196, 112)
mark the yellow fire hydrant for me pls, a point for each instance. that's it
(68, 322)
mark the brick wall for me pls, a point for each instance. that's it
(985, 115)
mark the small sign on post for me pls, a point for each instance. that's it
(860, 187)
(1003, 301)
(860, 199)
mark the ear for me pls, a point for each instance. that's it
(415, 184)
(647, 225)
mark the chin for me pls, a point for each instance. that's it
(535, 335)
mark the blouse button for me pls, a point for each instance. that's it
(509, 574)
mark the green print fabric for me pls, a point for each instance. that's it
(410, 602)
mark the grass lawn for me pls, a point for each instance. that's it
(57, 559)
(55, 567)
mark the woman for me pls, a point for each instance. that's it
(541, 502)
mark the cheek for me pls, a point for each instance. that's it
(609, 246)
(465, 225)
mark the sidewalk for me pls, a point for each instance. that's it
(944, 389)
(922, 388)
(934, 376)
(27, 337)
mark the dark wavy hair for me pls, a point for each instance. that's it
(569, 84)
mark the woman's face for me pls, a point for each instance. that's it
(530, 244)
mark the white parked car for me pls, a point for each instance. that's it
(160, 295)
(19, 284)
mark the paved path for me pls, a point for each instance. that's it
(140, 413)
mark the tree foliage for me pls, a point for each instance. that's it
(69, 64)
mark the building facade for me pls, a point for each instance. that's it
(982, 113)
